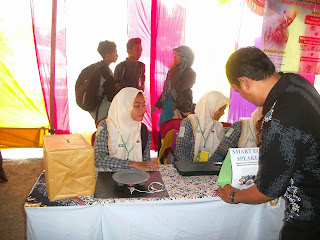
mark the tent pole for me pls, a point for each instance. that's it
(52, 66)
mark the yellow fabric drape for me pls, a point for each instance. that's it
(22, 137)
(23, 117)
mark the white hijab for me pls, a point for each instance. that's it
(122, 128)
(248, 137)
(204, 111)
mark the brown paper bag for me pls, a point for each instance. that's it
(69, 166)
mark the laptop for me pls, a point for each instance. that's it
(197, 168)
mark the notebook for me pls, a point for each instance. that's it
(197, 168)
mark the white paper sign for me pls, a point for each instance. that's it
(245, 166)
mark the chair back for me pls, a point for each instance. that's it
(169, 130)
(168, 133)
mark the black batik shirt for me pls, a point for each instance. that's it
(290, 153)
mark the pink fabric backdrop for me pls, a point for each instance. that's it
(161, 29)
(139, 25)
(42, 37)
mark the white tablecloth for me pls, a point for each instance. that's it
(182, 216)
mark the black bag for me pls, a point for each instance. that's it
(88, 83)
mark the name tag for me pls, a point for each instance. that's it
(202, 156)
(181, 131)
(230, 131)
(120, 145)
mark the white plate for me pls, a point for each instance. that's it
(130, 176)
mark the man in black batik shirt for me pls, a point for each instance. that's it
(289, 160)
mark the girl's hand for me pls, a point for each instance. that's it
(146, 166)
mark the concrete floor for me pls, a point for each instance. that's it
(22, 174)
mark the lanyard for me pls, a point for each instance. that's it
(253, 136)
(202, 133)
(125, 146)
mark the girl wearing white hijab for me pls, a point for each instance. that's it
(118, 141)
(244, 133)
(201, 133)
(249, 135)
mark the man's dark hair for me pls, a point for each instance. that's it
(248, 62)
(106, 47)
(132, 42)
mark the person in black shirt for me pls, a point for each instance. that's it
(131, 72)
(289, 158)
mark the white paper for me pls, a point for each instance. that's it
(245, 166)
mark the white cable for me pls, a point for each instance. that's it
(151, 189)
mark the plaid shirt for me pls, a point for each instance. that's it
(185, 145)
(230, 140)
(101, 151)
(185, 142)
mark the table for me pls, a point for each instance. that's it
(192, 211)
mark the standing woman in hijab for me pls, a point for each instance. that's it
(176, 100)
(118, 143)
(201, 133)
